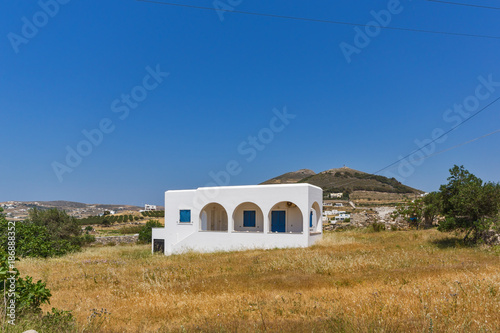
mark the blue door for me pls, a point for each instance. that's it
(278, 221)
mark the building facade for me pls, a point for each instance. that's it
(240, 217)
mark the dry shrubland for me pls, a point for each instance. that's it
(405, 281)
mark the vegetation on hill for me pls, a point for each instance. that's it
(107, 219)
(346, 180)
(290, 177)
(153, 213)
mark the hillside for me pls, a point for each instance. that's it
(347, 180)
(291, 177)
(18, 210)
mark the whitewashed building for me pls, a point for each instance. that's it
(149, 207)
(342, 216)
(240, 217)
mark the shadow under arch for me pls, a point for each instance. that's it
(213, 217)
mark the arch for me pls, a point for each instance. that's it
(315, 217)
(285, 216)
(213, 217)
(243, 214)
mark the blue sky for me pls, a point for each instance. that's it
(225, 78)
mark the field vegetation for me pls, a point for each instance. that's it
(354, 281)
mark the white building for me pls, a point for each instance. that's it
(336, 195)
(342, 216)
(149, 207)
(330, 212)
(240, 217)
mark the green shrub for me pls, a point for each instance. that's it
(377, 227)
(145, 234)
(45, 234)
(28, 296)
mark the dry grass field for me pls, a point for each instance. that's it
(413, 281)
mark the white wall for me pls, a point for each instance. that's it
(182, 236)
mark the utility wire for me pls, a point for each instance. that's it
(426, 157)
(458, 146)
(463, 4)
(439, 137)
(319, 20)
(361, 25)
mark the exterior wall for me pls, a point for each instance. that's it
(183, 236)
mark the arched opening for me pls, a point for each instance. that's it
(248, 217)
(285, 216)
(213, 217)
(315, 217)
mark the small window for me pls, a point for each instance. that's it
(249, 218)
(311, 220)
(159, 245)
(185, 216)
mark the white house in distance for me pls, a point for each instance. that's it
(342, 216)
(149, 207)
(240, 217)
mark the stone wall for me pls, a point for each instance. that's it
(117, 239)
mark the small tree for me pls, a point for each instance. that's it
(59, 224)
(410, 211)
(146, 233)
(468, 204)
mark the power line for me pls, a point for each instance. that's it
(439, 137)
(463, 4)
(429, 156)
(318, 20)
(457, 146)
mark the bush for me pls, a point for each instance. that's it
(377, 226)
(145, 234)
(45, 234)
(29, 297)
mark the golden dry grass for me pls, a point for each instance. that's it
(415, 281)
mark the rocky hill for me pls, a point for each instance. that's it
(291, 177)
(358, 184)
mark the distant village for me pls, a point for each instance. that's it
(18, 210)
(333, 210)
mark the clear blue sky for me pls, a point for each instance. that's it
(225, 78)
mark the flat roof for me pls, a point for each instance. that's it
(249, 186)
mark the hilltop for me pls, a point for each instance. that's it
(358, 185)
(291, 177)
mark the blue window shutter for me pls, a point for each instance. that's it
(249, 218)
(311, 220)
(185, 215)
